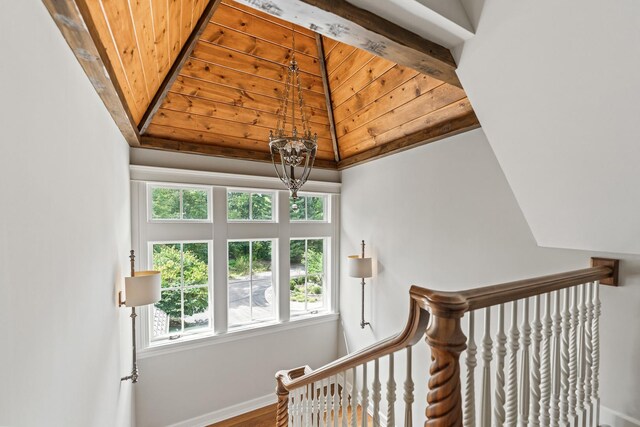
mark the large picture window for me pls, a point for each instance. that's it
(231, 258)
(184, 304)
(250, 281)
(307, 278)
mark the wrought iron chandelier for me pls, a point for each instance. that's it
(293, 154)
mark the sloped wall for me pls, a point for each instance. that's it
(555, 86)
(64, 235)
(443, 216)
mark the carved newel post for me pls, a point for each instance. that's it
(282, 413)
(447, 341)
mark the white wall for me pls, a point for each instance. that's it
(555, 87)
(204, 383)
(64, 235)
(443, 216)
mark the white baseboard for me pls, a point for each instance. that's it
(228, 412)
(609, 417)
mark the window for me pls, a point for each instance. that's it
(308, 208)
(230, 257)
(307, 278)
(250, 281)
(248, 206)
(179, 204)
(184, 304)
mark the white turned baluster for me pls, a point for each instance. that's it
(336, 403)
(391, 393)
(501, 351)
(308, 399)
(564, 359)
(595, 363)
(582, 316)
(377, 388)
(354, 399)
(345, 402)
(487, 345)
(408, 392)
(364, 396)
(469, 416)
(545, 363)
(315, 408)
(512, 373)
(588, 359)
(323, 403)
(555, 362)
(534, 408)
(296, 409)
(290, 409)
(573, 356)
(524, 389)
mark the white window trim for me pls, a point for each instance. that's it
(280, 229)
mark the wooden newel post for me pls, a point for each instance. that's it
(282, 412)
(447, 341)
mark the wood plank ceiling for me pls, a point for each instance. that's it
(207, 77)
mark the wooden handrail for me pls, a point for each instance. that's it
(445, 303)
(412, 333)
(436, 316)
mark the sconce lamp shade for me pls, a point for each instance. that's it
(359, 267)
(142, 289)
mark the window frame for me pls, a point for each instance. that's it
(209, 287)
(325, 274)
(181, 187)
(217, 231)
(326, 206)
(274, 261)
(251, 192)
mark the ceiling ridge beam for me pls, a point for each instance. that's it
(327, 94)
(345, 22)
(77, 27)
(182, 57)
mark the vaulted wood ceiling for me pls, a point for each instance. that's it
(207, 77)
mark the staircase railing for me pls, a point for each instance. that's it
(542, 371)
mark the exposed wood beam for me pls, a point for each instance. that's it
(217, 151)
(445, 129)
(182, 57)
(358, 27)
(76, 25)
(327, 94)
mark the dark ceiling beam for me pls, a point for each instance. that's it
(358, 27)
(445, 129)
(76, 25)
(218, 151)
(182, 57)
(327, 95)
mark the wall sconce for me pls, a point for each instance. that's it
(360, 267)
(142, 288)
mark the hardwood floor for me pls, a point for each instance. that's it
(263, 417)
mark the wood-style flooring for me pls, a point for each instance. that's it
(263, 417)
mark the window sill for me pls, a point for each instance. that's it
(203, 340)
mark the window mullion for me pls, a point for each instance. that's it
(282, 278)
(181, 284)
(251, 279)
(306, 274)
